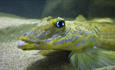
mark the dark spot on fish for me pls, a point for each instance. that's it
(60, 42)
(77, 37)
(69, 40)
(68, 47)
(78, 44)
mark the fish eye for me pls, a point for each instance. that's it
(60, 23)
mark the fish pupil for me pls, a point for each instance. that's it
(60, 24)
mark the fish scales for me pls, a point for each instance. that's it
(86, 40)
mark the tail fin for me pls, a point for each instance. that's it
(92, 59)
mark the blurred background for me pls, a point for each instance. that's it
(55, 8)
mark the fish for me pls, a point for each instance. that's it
(88, 41)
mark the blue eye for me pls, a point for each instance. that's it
(60, 23)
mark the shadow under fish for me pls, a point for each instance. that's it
(57, 60)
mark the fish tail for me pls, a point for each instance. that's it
(92, 59)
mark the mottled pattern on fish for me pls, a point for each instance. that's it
(82, 38)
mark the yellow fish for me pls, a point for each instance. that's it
(89, 42)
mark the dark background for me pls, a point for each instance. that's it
(55, 8)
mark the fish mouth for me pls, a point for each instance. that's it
(27, 45)
(21, 43)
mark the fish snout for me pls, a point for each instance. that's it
(21, 44)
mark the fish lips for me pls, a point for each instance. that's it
(21, 43)
(27, 45)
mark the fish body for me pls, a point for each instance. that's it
(82, 38)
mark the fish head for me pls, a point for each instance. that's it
(55, 34)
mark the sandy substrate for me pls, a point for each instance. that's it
(12, 58)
